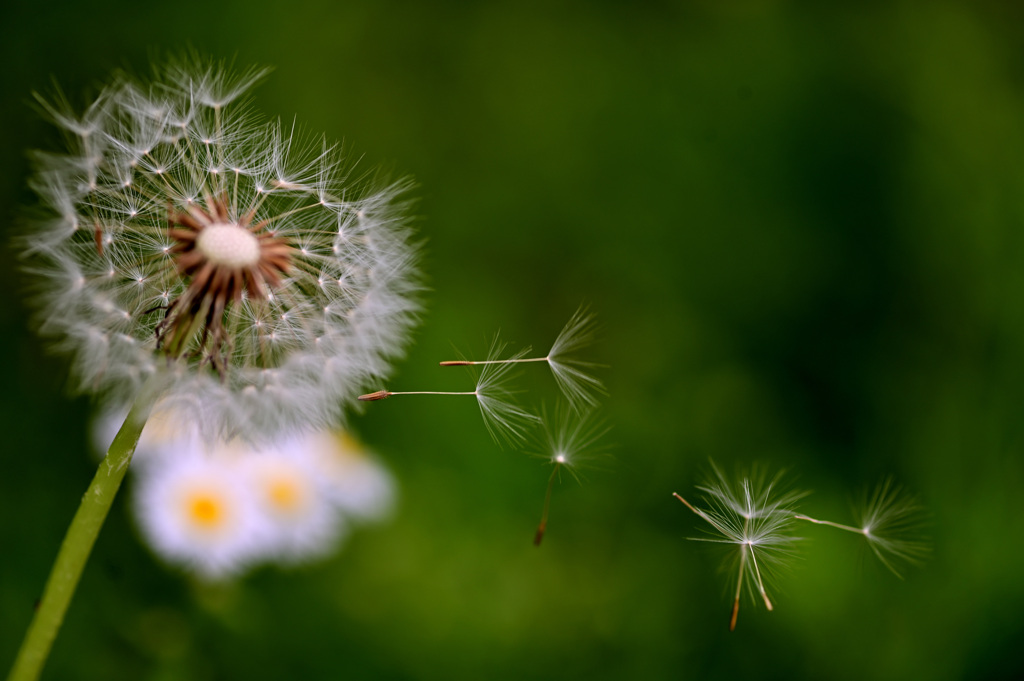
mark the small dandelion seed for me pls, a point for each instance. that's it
(503, 418)
(753, 516)
(570, 442)
(571, 373)
(890, 521)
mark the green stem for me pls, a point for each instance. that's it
(78, 542)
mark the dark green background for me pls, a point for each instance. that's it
(802, 227)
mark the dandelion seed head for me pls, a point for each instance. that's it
(180, 221)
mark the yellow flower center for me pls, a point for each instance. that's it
(206, 511)
(284, 494)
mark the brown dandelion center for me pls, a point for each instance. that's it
(222, 259)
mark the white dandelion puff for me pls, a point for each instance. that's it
(183, 231)
(219, 507)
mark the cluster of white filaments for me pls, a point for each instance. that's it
(183, 229)
(217, 508)
(504, 419)
(754, 517)
(575, 429)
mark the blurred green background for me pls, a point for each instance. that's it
(802, 227)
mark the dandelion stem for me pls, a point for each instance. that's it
(468, 362)
(543, 526)
(848, 528)
(78, 543)
(384, 394)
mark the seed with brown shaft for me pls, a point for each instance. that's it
(373, 397)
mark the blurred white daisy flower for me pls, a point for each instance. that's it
(219, 507)
(183, 232)
(300, 520)
(355, 482)
(197, 512)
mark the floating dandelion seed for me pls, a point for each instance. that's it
(753, 516)
(578, 386)
(756, 518)
(570, 443)
(890, 522)
(182, 231)
(503, 418)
